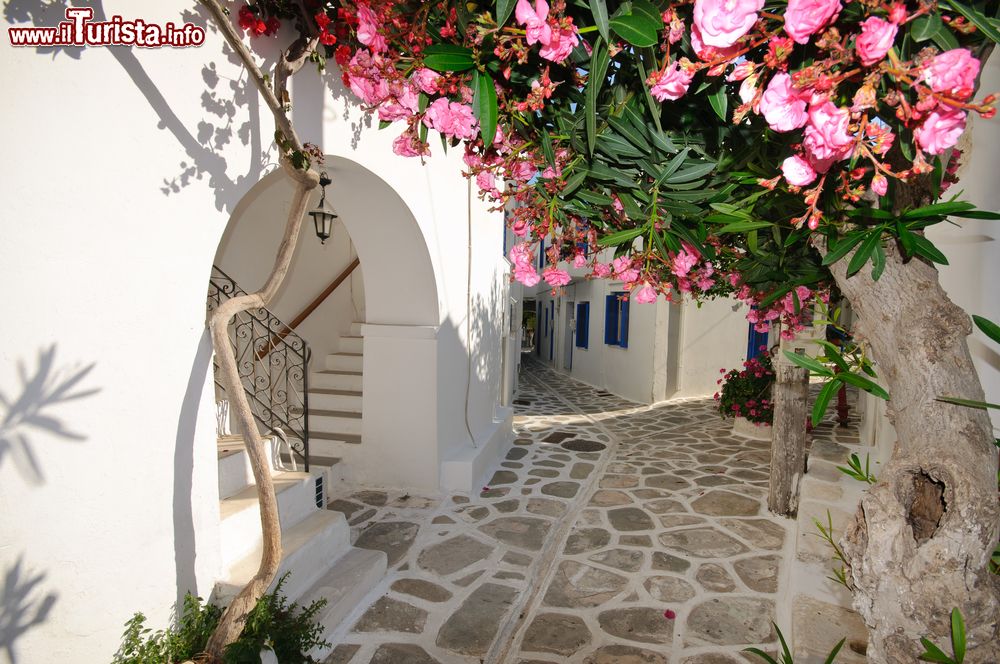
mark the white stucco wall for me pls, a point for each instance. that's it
(246, 253)
(118, 183)
(713, 336)
(446, 211)
(124, 166)
(973, 247)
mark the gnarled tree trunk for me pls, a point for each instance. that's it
(924, 533)
(233, 619)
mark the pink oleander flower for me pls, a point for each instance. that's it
(624, 270)
(684, 260)
(401, 107)
(486, 181)
(520, 227)
(409, 144)
(875, 40)
(368, 30)
(645, 295)
(722, 22)
(671, 83)
(560, 45)
(782, 105)
(426, 79)
(602, 270)
(797, 171)
(451, 119)
(826, 138)
(940, 130)
(707, 52)
(880, 184)
(953, 72)
(804, 18)
(536, 27)
(741, 71)
(520, 255)
(526, 275)
(522, 171)
(555, 277)
(579, 260)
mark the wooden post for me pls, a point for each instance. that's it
(788, 442)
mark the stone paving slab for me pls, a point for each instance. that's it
(611, 533)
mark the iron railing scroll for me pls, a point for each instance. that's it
(274, 369)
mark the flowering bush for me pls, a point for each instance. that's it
(710, 142)
(746, 392)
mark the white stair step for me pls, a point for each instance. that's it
(351, 344)
(336, 380)
(334, 421)
(331, 444)
(307, 551)
(345, 362)
(343, 588)
(239, 528)
(356, 328)
(235, 473)
(347, 400)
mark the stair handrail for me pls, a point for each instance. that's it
(277, 388)
(311, 307)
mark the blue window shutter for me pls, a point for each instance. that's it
(541, 253)
(623, 336)
(582, 324)
(611, 319)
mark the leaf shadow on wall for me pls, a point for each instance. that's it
(30, 412)
(231, 106)
(23, 606)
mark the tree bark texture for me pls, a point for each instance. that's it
(924, 532)
(788, 437)
(233, 619)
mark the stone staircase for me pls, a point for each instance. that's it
(316, 542)
(335, 398)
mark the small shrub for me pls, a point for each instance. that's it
(289, 630)
(746, 392)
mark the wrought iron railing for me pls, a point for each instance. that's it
(273, 369)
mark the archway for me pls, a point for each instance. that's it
(372, 400)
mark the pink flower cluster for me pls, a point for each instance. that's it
(558, 38)
(524, 268)
(952, 73)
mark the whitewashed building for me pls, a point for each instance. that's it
(642, 352)
(130, 174)
(132, 178)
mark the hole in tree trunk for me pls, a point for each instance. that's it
(860, 647)
(927, 506)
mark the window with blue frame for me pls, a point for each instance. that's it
(582, 324)
(616, 320)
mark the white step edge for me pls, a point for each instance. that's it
(334, 422)
(235, 473)
(307, 550)
(326, 399)
(356, 328)
(343, 587)
(345, 362)
(336, 380)
(239, 526)
(351, 344)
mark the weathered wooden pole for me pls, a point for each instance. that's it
(788, 442)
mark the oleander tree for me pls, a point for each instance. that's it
(774, 151)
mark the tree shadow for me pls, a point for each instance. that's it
(231, 106)
(23, 606)
(27, 412)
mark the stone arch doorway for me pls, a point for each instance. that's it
(372, 377)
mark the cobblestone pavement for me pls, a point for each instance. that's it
(612, 533)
